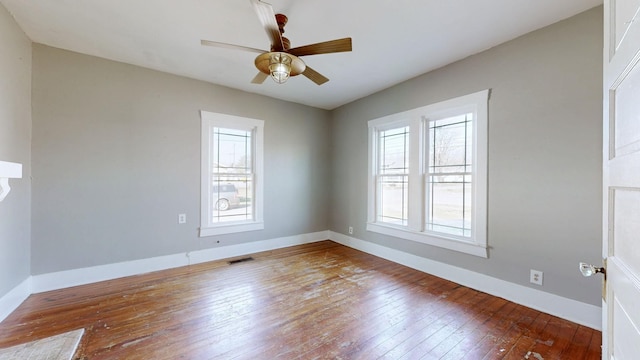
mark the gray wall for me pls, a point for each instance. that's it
(15, 146)
(116, 157)
(545, 116)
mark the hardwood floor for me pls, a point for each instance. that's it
(316, 301)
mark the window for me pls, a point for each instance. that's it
(428, 174)
(231, 186)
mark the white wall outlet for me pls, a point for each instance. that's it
(350, 230)
(182, 218)
(536, 277)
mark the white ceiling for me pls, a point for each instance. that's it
(393, 40)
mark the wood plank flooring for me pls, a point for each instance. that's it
(315, 301)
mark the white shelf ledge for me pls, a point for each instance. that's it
(8, 170)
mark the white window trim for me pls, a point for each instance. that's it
(209, 121)
(418, 121)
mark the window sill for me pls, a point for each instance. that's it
(424, 238)
(230, 228)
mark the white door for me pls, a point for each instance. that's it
(621, 179)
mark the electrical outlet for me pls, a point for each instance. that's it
(182, 218)
(350, 230)
(536, 277)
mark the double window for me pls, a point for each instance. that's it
(428, 174)
(231, 185)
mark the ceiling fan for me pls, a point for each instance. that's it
(281, 61)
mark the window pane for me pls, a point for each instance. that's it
(394, 151)
(450, 145)
(232, 198)
(231, 151)
(450, 204)
(394, 195)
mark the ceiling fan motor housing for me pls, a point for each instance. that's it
(282, 19)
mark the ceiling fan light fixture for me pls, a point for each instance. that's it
(280, 67)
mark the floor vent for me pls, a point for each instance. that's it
(236, 261)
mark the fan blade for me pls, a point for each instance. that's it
(230, 46)
(268, 20)
(326, 47)
(260, 78)
(314, 76)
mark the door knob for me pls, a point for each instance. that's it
(588, 269)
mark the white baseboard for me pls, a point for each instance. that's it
(578, 312)
(68, 278)
(254, 247)
(14, 298)
(75, 277)
(572, 310)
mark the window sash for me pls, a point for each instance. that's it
(232, 198)
(388, 188)
(449, 157)
(445, 218)
(232, 170)
(392, 175)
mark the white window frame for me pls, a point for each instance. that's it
(211, 120)
(418, 121)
